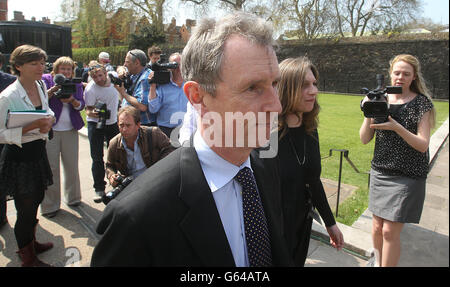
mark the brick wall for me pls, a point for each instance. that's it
(346, 67)
(3, 10)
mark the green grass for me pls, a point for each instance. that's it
(83, 115)
(340, 119)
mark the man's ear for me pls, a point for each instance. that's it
(195, 95)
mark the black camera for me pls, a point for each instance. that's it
(377, 106)
(162, 73)
(116, 80)
(122, 183)
(48, 67)
(68, 86)
(103, 114)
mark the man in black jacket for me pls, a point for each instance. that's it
(191, 208)
(5, 81)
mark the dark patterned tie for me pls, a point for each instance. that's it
(256, 230)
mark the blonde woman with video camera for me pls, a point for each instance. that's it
(400, 163)
(63, 147)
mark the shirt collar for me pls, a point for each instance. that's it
(124, 144)
(218, 172)
(23, 94)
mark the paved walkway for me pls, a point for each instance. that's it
(72, 230)
(423, 245)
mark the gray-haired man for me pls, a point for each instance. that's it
(192, 207)
(137, 94)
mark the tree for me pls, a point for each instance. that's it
(90, 29)
(356, 16)
(146, 37)
(234, 4)
(70, 9)
(153, 9)
(270, 10)
(311, 18)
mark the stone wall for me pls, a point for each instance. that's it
(346, 67)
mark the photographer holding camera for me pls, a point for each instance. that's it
(64, 144)
(135, 149)
(401, 157)
(137, 94)
(167, 98)
(102, 101)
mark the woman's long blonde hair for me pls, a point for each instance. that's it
(293, 73)
(418, 85)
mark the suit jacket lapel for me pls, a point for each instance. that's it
(267, 181)
(202, 224)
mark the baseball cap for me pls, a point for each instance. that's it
(103, 55)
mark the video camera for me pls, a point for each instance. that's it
(68, 86)
(103, 114)
(48, 67)
(122, 183)
(377, 106)
(162, 73)
(116, 80)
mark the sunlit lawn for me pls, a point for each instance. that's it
(340, 119)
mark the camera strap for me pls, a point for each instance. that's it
(133, 86)
(50, 132)
(42, 86)
(150, 144)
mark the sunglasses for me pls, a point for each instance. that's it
(95, 67)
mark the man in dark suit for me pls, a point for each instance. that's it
(5, 81)
(192, 207)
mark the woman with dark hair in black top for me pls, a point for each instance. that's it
(299, 158)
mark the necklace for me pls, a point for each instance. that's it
(295, 151)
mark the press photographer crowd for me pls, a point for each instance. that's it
(181, 201)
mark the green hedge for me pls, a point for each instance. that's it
(116, 54)
(85, 55)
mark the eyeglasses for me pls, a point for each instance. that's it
(132, 54)
(135, 56)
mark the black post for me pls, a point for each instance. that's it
(339, 184)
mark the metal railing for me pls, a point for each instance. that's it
(344, 154)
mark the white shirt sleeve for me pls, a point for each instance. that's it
(189, 123)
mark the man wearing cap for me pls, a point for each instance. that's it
(103, 58)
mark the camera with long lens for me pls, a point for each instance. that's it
(122, 183)
(103, 114)
(68, 86)
(377, 106)
(162, 73)
(116, 80)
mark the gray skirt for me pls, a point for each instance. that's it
(396, 198)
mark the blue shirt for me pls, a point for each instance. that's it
(135, 163)
(170, 102)
(141, 91)
(227, 193)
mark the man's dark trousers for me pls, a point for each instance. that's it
(96, 139)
